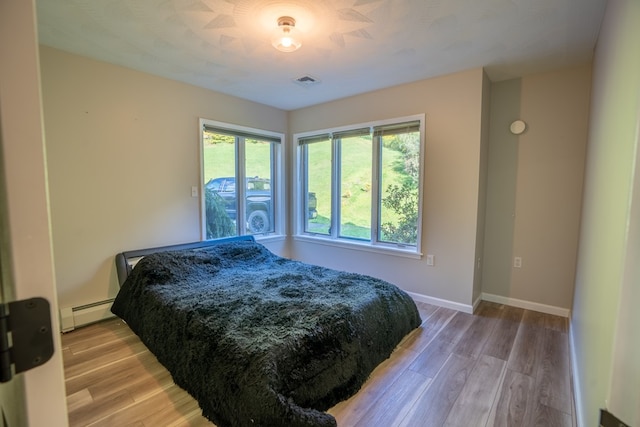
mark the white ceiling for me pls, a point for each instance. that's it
(350, 46)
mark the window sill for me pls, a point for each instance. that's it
(266, 238)
(360, 246)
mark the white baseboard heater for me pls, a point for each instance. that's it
(73, 317)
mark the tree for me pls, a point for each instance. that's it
(402, 199)
(218, 222)
(409, 145)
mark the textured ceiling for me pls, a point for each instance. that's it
(350, 46)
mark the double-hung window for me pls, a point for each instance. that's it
(362, 184)
(240, 171)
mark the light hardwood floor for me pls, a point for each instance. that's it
(502, 366)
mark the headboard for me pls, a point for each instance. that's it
(125, 261)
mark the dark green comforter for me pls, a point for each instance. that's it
(259, 340)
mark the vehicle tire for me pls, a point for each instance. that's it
(258, 222)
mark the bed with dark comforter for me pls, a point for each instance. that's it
(260, 340)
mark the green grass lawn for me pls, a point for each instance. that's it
(356, 179)
(219, 160)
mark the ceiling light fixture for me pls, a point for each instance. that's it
(286, 38)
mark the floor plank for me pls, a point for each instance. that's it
(501, 366)
(433, 357)
(554, 375)
(393, 405)
(474, 403)
(515, 402)
(525, 353)
(421, 337)
(500, 342)
(350, 411)
(456, 327)
(472, 342)
(434, 405)
(549, 417)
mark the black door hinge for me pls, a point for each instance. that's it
(607, 419)
(26, 339)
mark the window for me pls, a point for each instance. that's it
(361, 184)
(231, 155)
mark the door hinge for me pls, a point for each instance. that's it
(607, 419)
(26, 339)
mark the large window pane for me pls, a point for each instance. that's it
(355, 187)
(317, 198)
(219, 159)
(259, 193)
(400, 171)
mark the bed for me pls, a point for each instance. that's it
(257, 339)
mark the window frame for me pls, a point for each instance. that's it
(277, 187)
(374, 244)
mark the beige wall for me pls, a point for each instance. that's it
(605, 319)
(501, 188)
(123, 152)
(482, 187)
(453, 109)
(535, 190)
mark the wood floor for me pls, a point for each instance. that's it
(502, 366)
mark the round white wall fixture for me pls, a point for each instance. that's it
(517, 127)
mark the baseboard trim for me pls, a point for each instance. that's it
(465, 308)
(73, 317)
(476, 303)
(575, 378)
(514, 302)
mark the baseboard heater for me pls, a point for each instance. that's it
(73, 317)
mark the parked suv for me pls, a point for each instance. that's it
(259, 205)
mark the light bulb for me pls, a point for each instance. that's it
(286, 41)
(286, 38)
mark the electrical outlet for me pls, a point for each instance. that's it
(517, 262)
(431, 260)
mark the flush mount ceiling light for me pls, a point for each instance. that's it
(286, 38)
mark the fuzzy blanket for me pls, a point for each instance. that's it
(259, 340)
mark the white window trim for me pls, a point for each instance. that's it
(280, 213)
(373, 246)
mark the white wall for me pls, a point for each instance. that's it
(605, 319)
(453, 106)
(123, 151)
(535, 187)
(25, 235)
